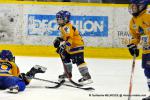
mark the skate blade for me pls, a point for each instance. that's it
(66, 80)
(86, 82)
(14, 91)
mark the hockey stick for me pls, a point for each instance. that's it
(65, 69)
(56, 86)
(131, 77)
(88, 88)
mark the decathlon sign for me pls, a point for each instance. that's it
(87, 25)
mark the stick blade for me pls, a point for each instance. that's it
(89, 88)
(56, 86)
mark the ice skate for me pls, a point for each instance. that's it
(14, 89)
(86, 79)
(34, 70)
(63, 76)
(147, 98)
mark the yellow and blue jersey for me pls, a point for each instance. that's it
(8, 68)
(140, 30)
(72, 37)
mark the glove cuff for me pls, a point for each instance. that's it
(131, 46)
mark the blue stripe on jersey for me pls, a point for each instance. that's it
(4, 72)
(76, 49)
(68, 44)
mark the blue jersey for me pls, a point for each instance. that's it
(9, 73)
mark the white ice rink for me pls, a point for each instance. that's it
(110, 76)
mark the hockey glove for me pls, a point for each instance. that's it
(61, 49)
(24, 78)
(133, 49)
(57, 41)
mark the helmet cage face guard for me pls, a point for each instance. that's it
(61, 18)
(58, 16)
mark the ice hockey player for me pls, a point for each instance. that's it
(10, 76)
(71, 48)
(140, 31)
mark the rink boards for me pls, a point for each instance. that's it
(50, 51)
(31, 28)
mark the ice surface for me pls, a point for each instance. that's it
(110, 76)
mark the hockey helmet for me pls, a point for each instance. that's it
(64, 15)
(137, 6)
(7, 54)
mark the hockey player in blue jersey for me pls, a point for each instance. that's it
(10, 76)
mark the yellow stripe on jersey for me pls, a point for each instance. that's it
(5, 74)
(82, 65)
(146, 51)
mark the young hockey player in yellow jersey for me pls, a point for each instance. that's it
(71, 47)
(140, 32)
(10, 76)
